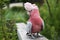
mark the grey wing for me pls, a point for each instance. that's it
(29, 26)
(42, 25)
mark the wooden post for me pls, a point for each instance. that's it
(21, 32)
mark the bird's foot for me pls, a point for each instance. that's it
(32, 37)
(29, 34)
(37, 35)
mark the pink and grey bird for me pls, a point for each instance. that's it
(35, 22)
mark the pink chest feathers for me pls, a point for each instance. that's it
(36, 21)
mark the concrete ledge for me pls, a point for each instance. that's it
(14, 5)
(21, 32)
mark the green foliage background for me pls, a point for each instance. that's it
(49, 11)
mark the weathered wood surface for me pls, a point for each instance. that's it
(21, 32)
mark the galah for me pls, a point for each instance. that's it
(35, 23)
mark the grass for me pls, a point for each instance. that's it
(16, 13)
